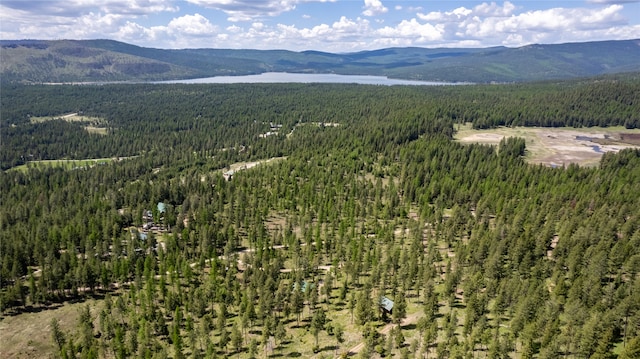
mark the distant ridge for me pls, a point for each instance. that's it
(44, 61)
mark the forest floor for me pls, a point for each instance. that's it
(28, 334)
(386, 330)
(556, 147)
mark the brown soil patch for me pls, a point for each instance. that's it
(559, 147)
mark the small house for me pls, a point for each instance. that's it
(386, 306)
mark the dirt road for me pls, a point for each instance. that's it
(386, 330)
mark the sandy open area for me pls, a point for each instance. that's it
(555, 146)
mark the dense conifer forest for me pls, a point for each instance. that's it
(366, 197)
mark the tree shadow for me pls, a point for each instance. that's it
(31, 309)
(294, 355)
(288, 321)
(329, 347)
(411, 295)
(408, 326)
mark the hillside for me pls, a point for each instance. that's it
(318, 221)
(31, 61)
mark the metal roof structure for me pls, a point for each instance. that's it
(386, 304)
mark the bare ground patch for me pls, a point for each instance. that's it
(95, 125)
(557, 146)
(28, 335)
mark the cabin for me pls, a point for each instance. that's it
(386, 306)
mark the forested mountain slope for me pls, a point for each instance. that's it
(30, 61)
(482, 254)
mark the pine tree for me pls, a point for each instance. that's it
(632, 349)
(236, 338)
(57, 334)
(399, 308)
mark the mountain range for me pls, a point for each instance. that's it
(47, 61)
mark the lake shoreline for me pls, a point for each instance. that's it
(290, 77)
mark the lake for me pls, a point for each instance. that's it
(286, 77)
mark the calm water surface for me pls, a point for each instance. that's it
(285, 77)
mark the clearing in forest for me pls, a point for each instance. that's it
(66, 164)
(29, 334)
(95, 125)
(230, 171)
(558, 147)
(69, 164)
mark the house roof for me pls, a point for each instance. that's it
(386, 303)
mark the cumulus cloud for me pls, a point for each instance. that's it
(74, 8)
(534, 26)
(193, 25)
(495, 24)
(373, 8)
(612, 1)
(411, 31)
(247, 10)
(484, 24)
(77, 19)
(447, 16)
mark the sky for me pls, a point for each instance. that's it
(323, 25)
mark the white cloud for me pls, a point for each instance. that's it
(491, 24)
(612, 1)
(446, 16)
(373, 8)
(77, 19)
(485, 24)
(247, 10)
(191, 25)
(412, 30)
(234, 29)
(494, 10)
(74, 8)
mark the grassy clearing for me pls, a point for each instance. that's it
(554, 146)
(28, 335)
(239, 166)
(97, 130)
(96, 125)
(66, 164)
(71, 117)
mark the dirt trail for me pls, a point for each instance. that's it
(386, 330)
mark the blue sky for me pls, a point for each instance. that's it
(325, 25)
